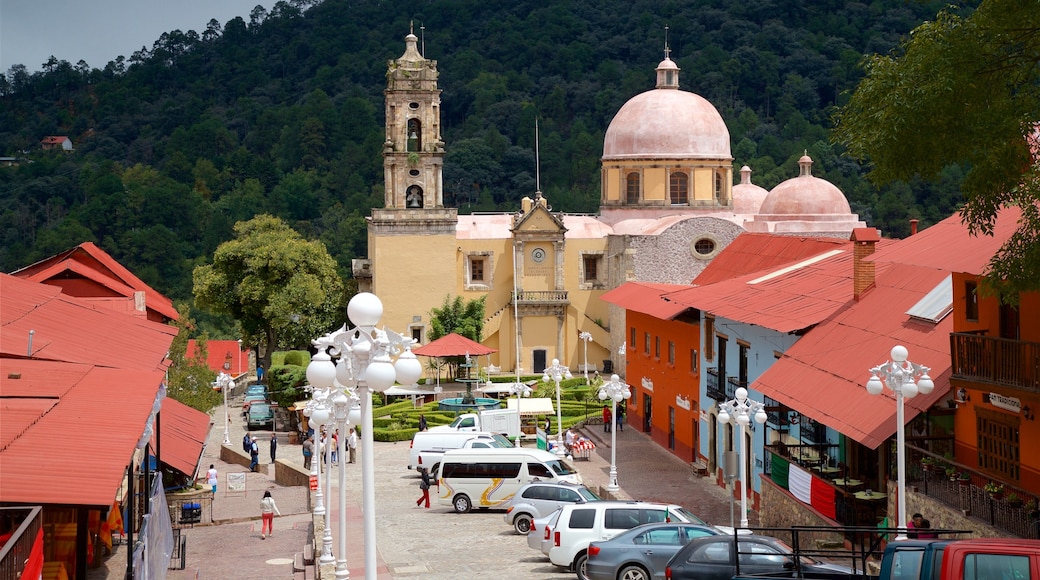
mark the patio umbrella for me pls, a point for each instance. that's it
(453, 344)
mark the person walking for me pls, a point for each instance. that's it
(352, 445)
(620, 419)
(422, 423)
(212, 478)
(607, 420)
(267, 511)
(424, 485)
(274, 446)
(247, 442)
(254, 455)
(335, 447)
(308, 451)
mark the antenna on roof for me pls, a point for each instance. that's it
(667, 50)
(537, 164)
(422, 37)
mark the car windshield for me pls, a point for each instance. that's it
(501, 441)
(259, 409)
(688, 516)
(255, 398)
(560, 467)
(587, 493)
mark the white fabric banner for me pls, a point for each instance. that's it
(799, 482)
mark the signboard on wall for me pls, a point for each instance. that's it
(236, 482)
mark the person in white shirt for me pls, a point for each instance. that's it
(267, 510)
(352, 445)
(211, 478)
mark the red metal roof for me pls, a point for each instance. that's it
(823, 375)
(216, 354)
(453, 345)
(87, 261)
(646, 298)
(86, 427)
(69, 329)
(182, 435)
(949, 246)
(786, 299)
(754, 252)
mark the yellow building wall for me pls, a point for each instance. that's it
(412, 274)
(703, 184)
(655, 184)
(539, 276)
(612, 184)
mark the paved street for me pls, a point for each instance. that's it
(413, 542)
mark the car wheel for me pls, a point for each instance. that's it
(462, 504)
(579, 566)
(633, 572)
(522, 523)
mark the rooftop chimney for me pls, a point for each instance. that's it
(913, 227)
(864, 240)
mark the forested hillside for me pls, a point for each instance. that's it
(283, 113)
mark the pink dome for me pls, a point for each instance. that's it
(667, 123)
(747, 197)
(805, 195)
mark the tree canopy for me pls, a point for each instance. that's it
(964, 91)
(465, 317)
(281, 289)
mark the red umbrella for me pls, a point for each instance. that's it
(453, 344)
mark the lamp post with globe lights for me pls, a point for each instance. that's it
(586, 338)
(741, 410)
(520, 390)
(616, 390)
(225, 382)
(365, 365)
(557, 372)
(899, 376)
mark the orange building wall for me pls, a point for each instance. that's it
(670, 381)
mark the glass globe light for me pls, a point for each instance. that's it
(409, 369)
(875, 386)
(899, 353)
(321, 372)
(380, 374)
(365, 309)
(925, 384)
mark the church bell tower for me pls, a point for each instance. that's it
(413, 153)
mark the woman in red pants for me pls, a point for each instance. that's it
(424, 485)
(267, 510)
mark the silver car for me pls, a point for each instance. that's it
(641, 553)
(540, 528)
(537, 499)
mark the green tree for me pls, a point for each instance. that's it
(281, 289)
(189, 380)
(965, 90)
(459, 316)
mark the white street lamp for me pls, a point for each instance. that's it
(557, 372)
(586, 338)
(240, 373)
(225, 382)
(342, 407)
(899, 376)
(741, 410)
(365, 365)
(520, 390)
(617, 391)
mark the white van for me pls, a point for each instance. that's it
(488, 478)
(444, 440)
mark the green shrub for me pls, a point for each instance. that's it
(403, 434)
(300, 358)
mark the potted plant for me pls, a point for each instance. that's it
(951, 473)
(1013, 500)
(928, 463)
(964, 478)
(1031, 507)
(995, 490)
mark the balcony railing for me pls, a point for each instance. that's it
(732, 384)
(998, 361)
(27, 522)
(716, 390)
(540, 296)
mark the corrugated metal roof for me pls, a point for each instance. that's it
(69, 329)
(88, 433)
(787, 299)
(823, 375)
(949, 246)
(182, 435)
(646, 298)
(216, 354)
(751, 252)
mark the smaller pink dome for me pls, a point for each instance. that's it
(747, 197)
(805, 195)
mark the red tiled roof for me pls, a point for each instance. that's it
(83, 419)
(69, 329)
(949, 246)
(182, 435)
(646, 298)
(785, 299)
(216, 353)
(90, 262)
(754, 252)
(824, 374)
(54, 139)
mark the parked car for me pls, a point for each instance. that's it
(260, 415)
(250, 399)
(538, 499)
(642, 552)
(712, 558)
(537, 537)
(581, 524)
(257, 389)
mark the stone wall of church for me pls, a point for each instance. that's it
(669, 257)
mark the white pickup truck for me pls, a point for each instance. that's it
(428, 447)
(503, 421)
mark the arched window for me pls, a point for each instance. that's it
(680, 188)
(632, 188)
(414, 135)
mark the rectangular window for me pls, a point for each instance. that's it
(646, 343)
(671, 352)
(709, 338)
(693, 360)
(998, 443)
(632, 338)
(657, 347)
(971, 300)
(590, 268)
(742, 371)
(476, 269)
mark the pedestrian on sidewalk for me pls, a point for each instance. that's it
(621, 419)
(267, 510)
(274, 445)
(607, 420)
(352, 444)
(254, 455)
(308, 451)
(422, 423)
(335, 447)
(247, 442)
(424, 485)
(212, 478)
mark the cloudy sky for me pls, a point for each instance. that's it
(98, 31)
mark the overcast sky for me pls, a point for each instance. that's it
(98, 31)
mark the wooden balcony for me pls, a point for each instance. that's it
(995, 361)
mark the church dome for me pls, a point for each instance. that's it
(668, 123)
(805, 195)
(748, 197)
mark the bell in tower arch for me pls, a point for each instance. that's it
(413, 197)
